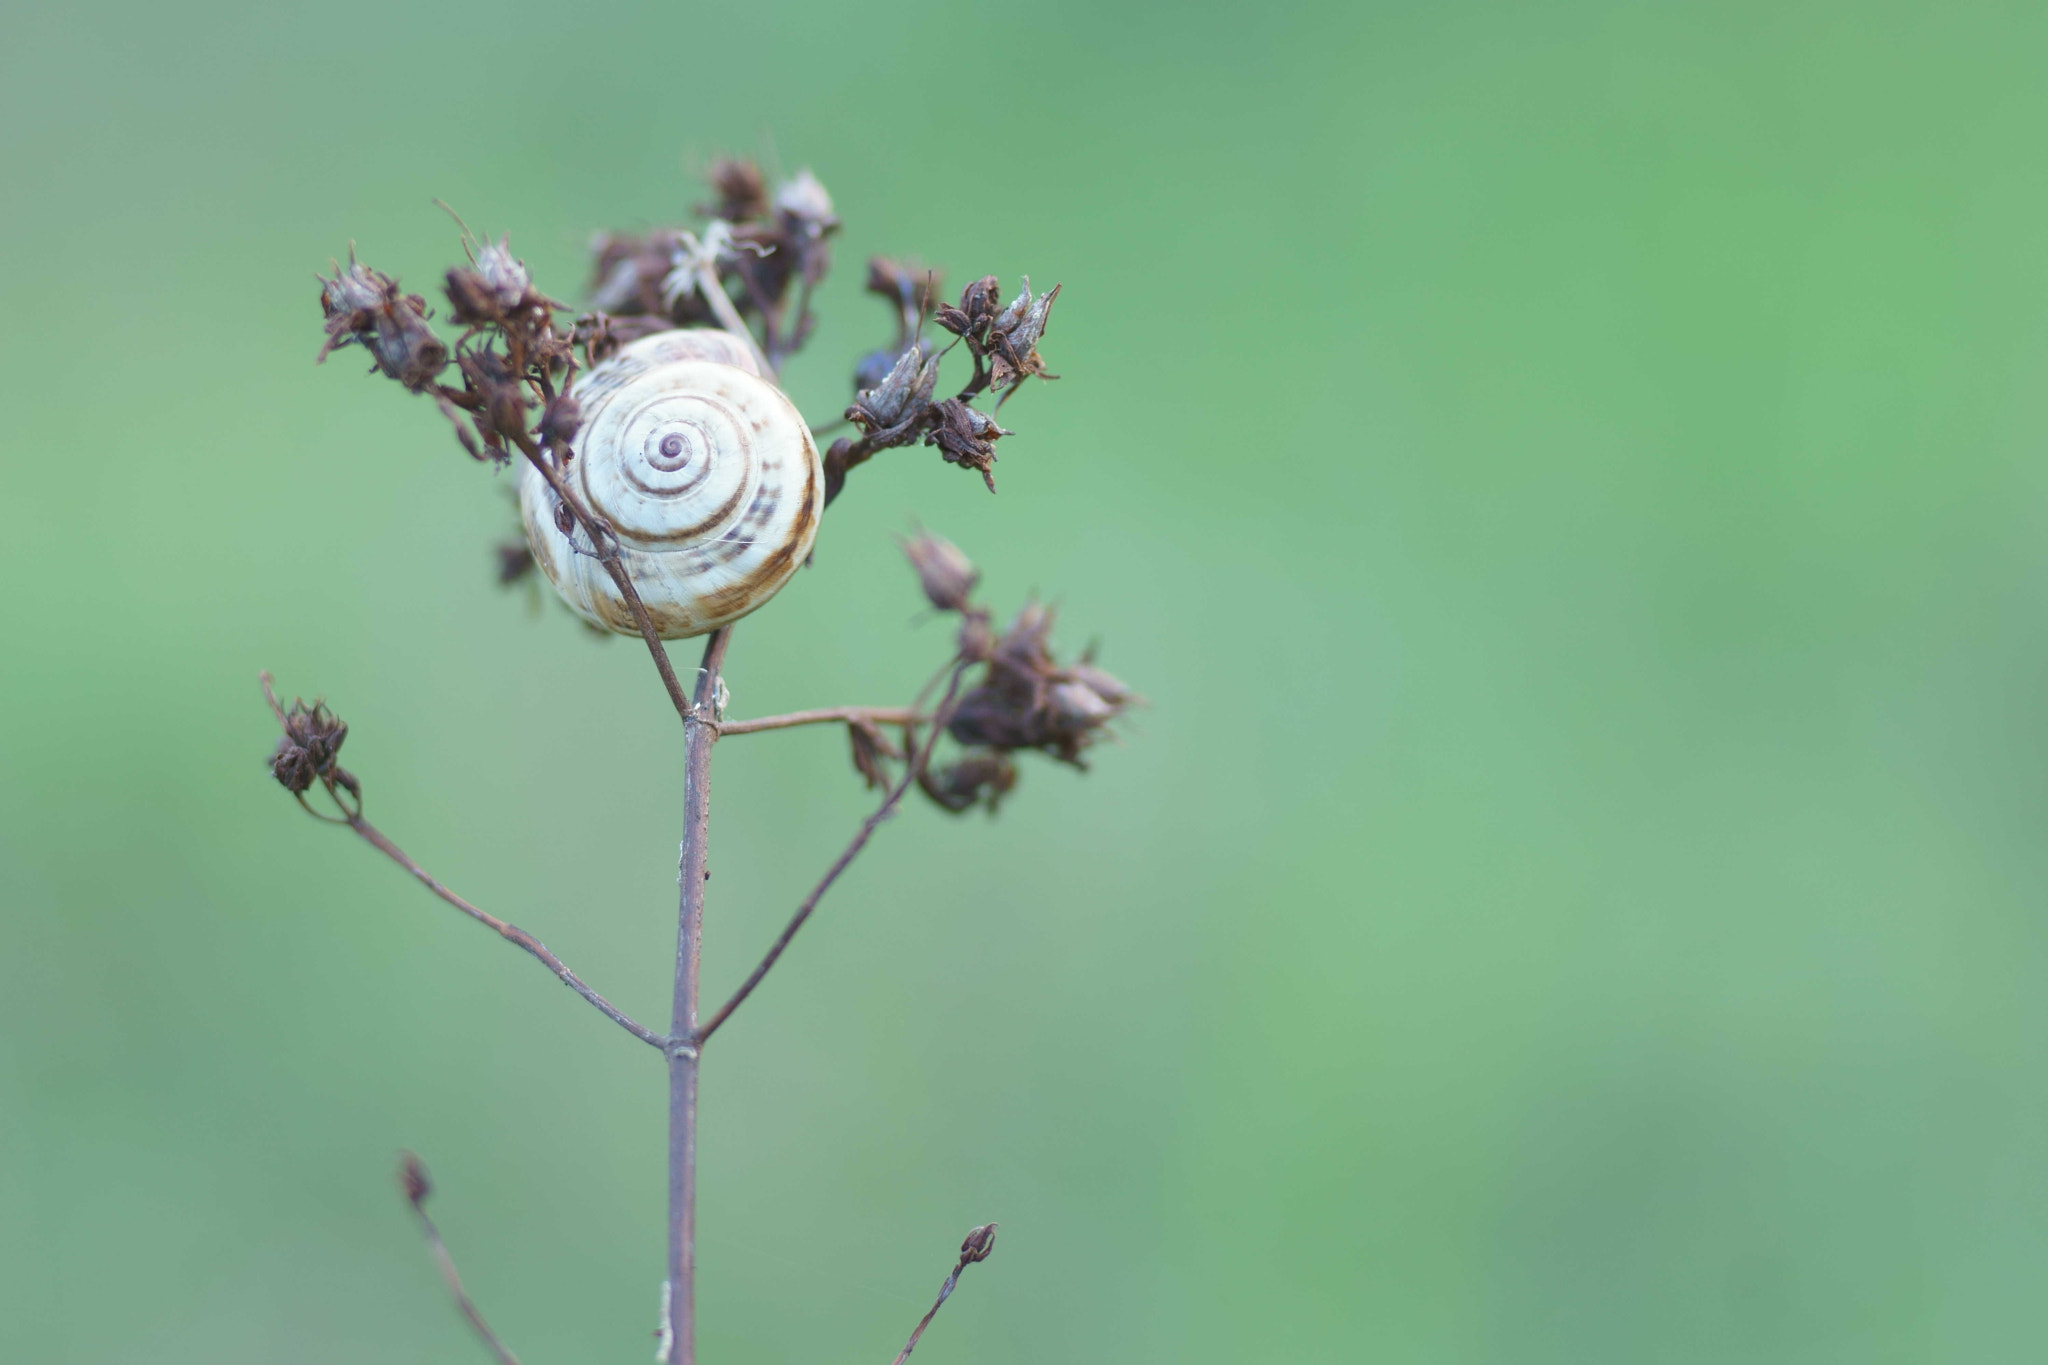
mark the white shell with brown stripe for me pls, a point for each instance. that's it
(703, 468)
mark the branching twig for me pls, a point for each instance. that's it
(828, 715)
(846, 857)
(977, 1247)
(511, 933)
(412, 1178)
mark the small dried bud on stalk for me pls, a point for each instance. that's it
(946, 574)
(741, 189)
(413, 1180)
(872, 752)
(979, 1244)
(970, 319)
(515, 561)
(909, 286)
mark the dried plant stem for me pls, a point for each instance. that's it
(699, 733)
(511, 933)
(704, 275)
(602, 541)
(453, 1280)
(845, 859)
(828, 715)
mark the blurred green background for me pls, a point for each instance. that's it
(1568, 478)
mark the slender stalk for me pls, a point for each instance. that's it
(511, 933)
(827, 715)
(414, 1178)
(699, 733)
(843, 861)
(980, 1242)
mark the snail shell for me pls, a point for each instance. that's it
(703, 468)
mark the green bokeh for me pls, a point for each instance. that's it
(1568, 478)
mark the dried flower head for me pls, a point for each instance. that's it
(1013, 340)
(902, 395)
(493, 288)
(804, 206)
(965, 436)
(364, 307)
(945, 573)
(1027, 699)
(628, 271)
(309, 750)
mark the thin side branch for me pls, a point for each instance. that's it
(413, 1179)
(977, 1247)
(845, 859)
(511, 933)
(828, 715)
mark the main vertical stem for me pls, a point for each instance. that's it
(682, 1047)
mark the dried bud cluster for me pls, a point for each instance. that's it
(309, 750)
(775, 240)
(766, 248)
(1024, 699)
(1005, 339)
(1027, 699)
(893, 404)
(511, 357)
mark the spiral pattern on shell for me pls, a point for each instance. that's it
(704, 470)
